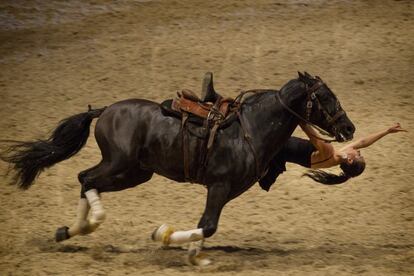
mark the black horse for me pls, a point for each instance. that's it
(136, 140)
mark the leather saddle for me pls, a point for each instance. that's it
(187, 101)
(211, 107)
(208, 114)
(212, 112)
(201, 116)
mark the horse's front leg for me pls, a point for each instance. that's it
(217, 197)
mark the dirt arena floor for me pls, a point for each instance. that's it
(56, 57)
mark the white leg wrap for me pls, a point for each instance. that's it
(167, 235)
(83, 210)
(179, 237)
(81, 222)
(97, 210)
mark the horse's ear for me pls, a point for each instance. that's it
(301, 76)
(305, 78)
(308, 75)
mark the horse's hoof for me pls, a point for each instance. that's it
(62, 234)
(196, 258)
(162, 234)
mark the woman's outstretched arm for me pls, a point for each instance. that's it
(372, 138)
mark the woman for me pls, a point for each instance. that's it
(315, 153)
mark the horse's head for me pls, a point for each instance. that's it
(324, 109)
(319, 105)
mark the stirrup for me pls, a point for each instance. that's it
(207, 90)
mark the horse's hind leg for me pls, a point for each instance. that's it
(81, 225)
(110, 179)
(102, 178)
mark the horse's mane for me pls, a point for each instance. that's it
(256, 95)
(259, 94)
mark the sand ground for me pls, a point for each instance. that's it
(58, 56)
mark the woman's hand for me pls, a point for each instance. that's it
(396, 128)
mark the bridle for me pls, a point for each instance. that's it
(312, 98)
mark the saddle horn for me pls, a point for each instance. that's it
(208, 94)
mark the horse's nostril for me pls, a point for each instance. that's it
(349, 129)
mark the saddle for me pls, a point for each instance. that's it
(188, 102)
(212, 115)
(209, 114)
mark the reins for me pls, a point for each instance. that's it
(238, 102)
(322, 131)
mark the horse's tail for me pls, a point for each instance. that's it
(29, 159)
